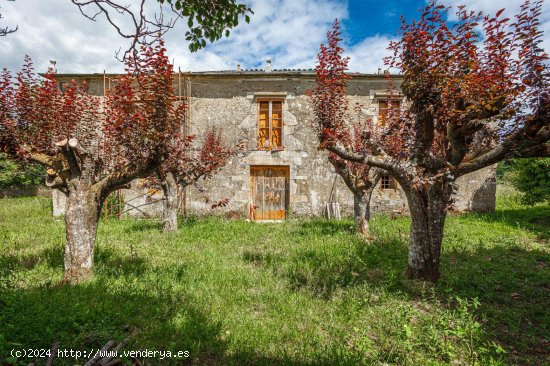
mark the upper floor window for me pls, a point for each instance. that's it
(388, 110)
(270, 125)
(387, 182)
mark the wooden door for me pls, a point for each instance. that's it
(269, 190)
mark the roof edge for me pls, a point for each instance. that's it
(234, 73)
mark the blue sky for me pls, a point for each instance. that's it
(367, 18)
(288, 31)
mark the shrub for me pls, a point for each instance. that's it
(19, 175)
(532, 178)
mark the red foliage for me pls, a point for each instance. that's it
(329, 99)
(36, 113)
(190, 160)
(465, 94)
(340, 124)
(461, 84)
(141, 113)
(79, 136)
(470, 101)
(221, 203)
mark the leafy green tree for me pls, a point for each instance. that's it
(532, 178)
(207, 20)
(503, 168)
(13, 174)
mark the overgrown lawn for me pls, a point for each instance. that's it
(303, 292)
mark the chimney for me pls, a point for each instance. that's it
(267, 67)
(52, 66)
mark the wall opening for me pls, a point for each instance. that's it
(269, 189)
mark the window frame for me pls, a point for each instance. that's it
(383, 122)
(387, 182)
(270, 101)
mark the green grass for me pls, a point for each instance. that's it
(304, 292)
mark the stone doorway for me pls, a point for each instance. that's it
(269, 187)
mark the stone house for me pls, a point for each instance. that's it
(281, 172)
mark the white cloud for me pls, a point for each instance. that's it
(368, 55)
(288, 31)
(512, 7)
(56, 30)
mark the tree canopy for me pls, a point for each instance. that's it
(470, 99)
(532, 178)
(91, 146)
(207, 20)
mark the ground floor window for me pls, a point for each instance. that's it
(387, 182)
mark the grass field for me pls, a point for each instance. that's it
(298, 293)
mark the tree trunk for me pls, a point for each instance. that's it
(428, 207)
(361, 210)
(361, 213)
(367, 197)
(170, 203)
(81, 217)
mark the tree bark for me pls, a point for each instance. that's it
(428, 207)
(170, 203)
(361, 209)
(368, 195)
(361, 214)
(81, 217)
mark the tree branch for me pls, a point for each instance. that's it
(120, 179)
(41, 158)
(6, 30)
(515, 146)
(364, 159)
(68, 151)
(55, 181)
(145, 31)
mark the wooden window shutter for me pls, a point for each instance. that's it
(387, 110)
(270, 125)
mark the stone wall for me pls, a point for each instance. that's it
(142, 203)
(59, 203)
(229, 101)
(476, 192)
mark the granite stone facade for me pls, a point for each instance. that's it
(229, 101)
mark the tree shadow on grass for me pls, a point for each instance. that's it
(366, 264)
(107, 261)
(512, 285)
(51, 256)
(189, 221)
(136, 225)
(87, 316)
(535, 219)
(143, 225)
(511, 282)
(324, 271)
(110, 263)
(324, 227)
